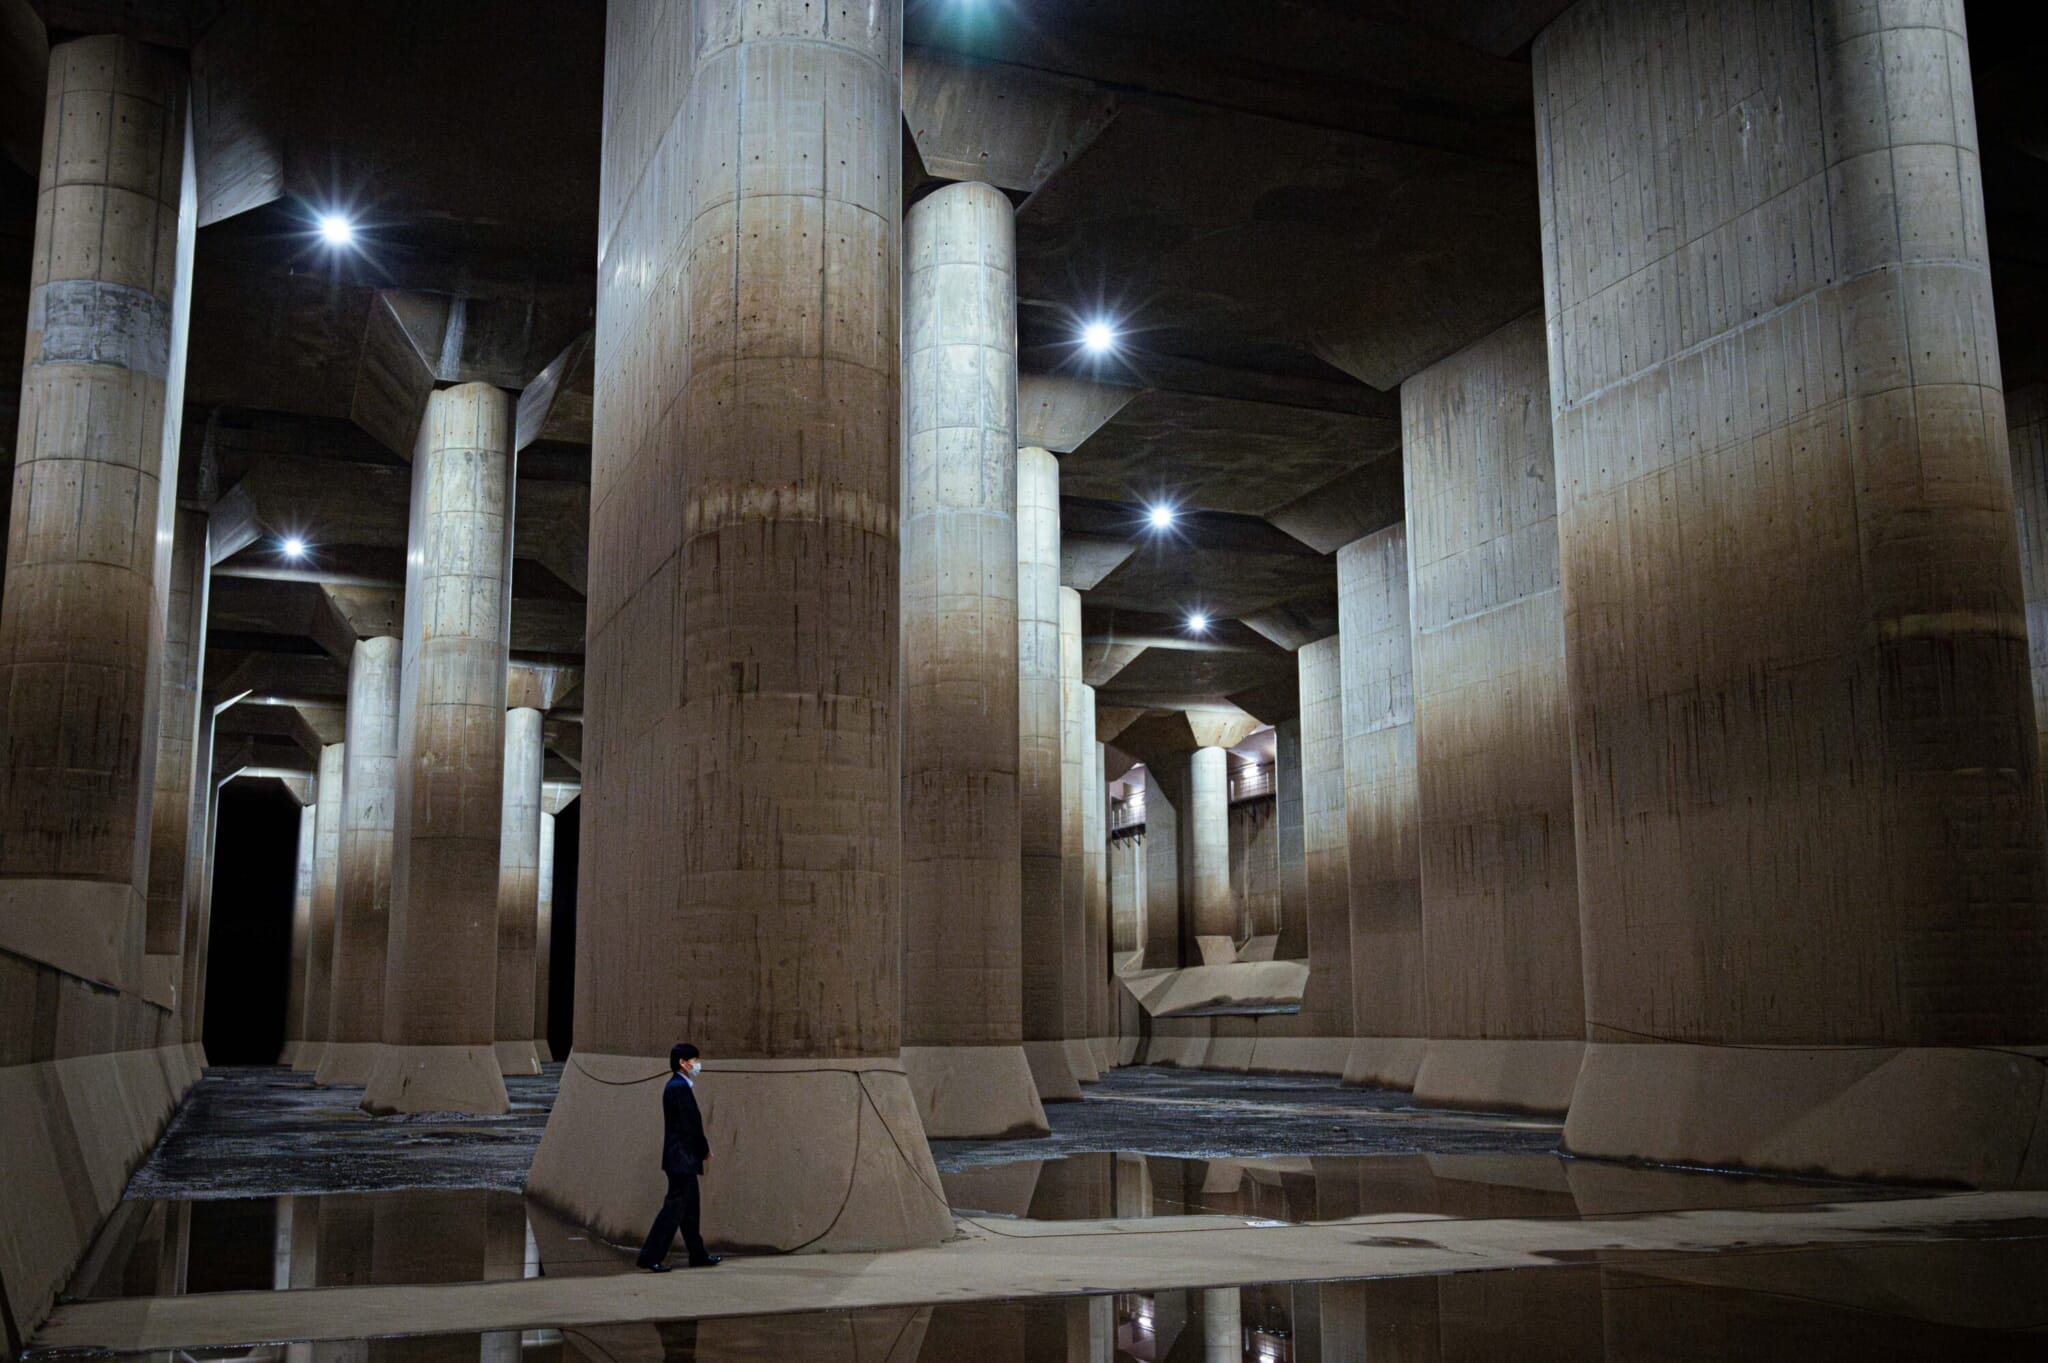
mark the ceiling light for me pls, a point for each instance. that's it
(1160, 516)
(1198, 623)
(1098, 337)
(294, 547)
(336, 230)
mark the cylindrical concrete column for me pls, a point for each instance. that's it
(362, 908)
(199, 891)
(1212, 917)
(742, 736)
(519, 890)
(89, 554)
(1095, 979)
(319, 989)
(302, 926)
(1810, 859)
(1074, 705)
(171, 808)
(1042, 819)
(962, 1004)
(1292, 850)
(440, 977)
(1222, 1325)
(544, 937)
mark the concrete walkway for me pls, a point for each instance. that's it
(1008, 1259)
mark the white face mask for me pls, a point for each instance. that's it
(690, 1068)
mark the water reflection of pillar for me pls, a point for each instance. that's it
(1132, 1185)
(174, 1250)
(1078, 1188)
(346, 1234)
(1222, 1325)
(994, 1332)
(1091, 1330)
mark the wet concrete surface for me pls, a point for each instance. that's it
(267, 1131)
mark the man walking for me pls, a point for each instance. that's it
(684, 1153)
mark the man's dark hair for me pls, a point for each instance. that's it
(678, 1053)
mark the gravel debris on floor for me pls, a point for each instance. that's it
(266, 1131)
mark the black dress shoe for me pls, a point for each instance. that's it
(708, 1261)
(652, 1268)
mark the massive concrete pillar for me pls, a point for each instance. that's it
(544, 937)
(1384, 871)
(519, 890)
(1166, 801)
(1041, 816)
(362, 905)
(1095, 979)
(962, 990)
(1809, 829)
(191, 1016)
(1212, 915)
(1293, 944)
(302, 927)
(319, 980)
(1222, 1325)
(741, 750)
(89, 555)
(440, 975)
(171, 806)
(1493, 779)
(1077, 721)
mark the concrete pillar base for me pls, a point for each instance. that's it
(1384, 1062)
(1050, 1072)
(1977, 1117)
(436, 1079)
(806, 1155)
(1300, 1055)
(1127, 1049)
(306, 1059)
(348, 1063)
(543, 1052)
(1499, 1076)
(1081, 1061)
(289, 1056)
(974, 1092)
(1103, 1051)
(517, 1057)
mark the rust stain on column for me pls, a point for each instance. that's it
(319, 988)
(89, 554)
(1805, 765)
(741, 855)
(962, 987)
(1500, 895)
(362, 906)
(519, 890)
(440, 977)
(1040, 776)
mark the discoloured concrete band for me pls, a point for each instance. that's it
(92, 321)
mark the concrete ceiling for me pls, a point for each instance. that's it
(1287, 206)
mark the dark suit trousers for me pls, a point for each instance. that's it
(678, 1212)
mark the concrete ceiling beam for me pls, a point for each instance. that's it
(1008, 126)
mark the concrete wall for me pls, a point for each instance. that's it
(1255, 867)
(1500, 900)
(1804, 750)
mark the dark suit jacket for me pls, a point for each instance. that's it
(683, 1147)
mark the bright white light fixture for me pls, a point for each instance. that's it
(294, 547)
(336, 230)
(1098, 337)
(1161, 516)
(1197, 623)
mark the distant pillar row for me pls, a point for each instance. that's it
(1041, 705)
(172, 807)
(519, 890)
(441, 963)
(962, 892)
(362, 905)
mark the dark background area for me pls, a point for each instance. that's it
(249, 959)
(255, 865)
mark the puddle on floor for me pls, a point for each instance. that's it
(170, 1247)
(1978, 1300)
